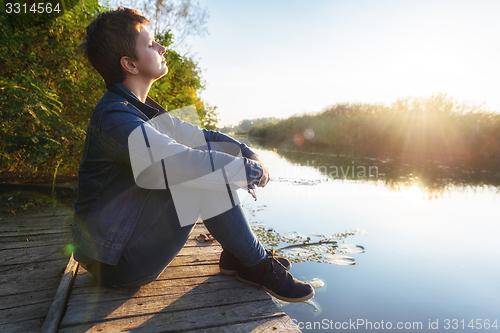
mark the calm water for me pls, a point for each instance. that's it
(431, 242)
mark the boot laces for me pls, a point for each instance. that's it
(273, 271)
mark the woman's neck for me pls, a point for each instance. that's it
(139, 89)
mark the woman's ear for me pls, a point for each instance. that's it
(128, 65)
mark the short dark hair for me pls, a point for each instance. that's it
(109, 37)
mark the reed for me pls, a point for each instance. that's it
(432, 125)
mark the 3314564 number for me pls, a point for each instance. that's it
(36, 8)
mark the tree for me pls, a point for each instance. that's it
(47, 92)
(181, 18)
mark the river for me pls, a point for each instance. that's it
(425, 250)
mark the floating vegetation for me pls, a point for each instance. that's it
(317, 283)
(307, 182)
(339, 259)
(297, 247)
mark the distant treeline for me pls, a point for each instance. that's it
(246, 124)
(432, 125)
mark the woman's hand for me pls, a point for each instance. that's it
(264, 179)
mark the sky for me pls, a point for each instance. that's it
(277, 58)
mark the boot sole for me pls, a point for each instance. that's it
(228, 272)
(272, 293)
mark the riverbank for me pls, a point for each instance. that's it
(433, 126)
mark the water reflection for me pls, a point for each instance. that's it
(434, 176)
(425, 260)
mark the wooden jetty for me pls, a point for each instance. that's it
(32, 262)
(190, 295)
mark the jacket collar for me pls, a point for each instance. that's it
(151, 109)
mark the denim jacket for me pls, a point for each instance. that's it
(109, 202)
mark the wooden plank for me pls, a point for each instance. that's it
(17, 229)
(210, 258)
(30, 289)
(25, 312)
(31, 266)
(28, 298)
(185, 319)
(158, 287)
(23, 244)
(55, 314)
(31, 254)
(32, 272)
(34, 223)
(177, 272)
(172, 288)
(5, 236)
(25, 326)
(198, 297)
(199, 251)
(42, 214)
(35, 238)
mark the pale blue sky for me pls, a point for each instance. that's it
(278, 58)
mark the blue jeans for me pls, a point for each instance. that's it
(158, 238)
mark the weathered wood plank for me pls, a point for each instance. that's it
(30, 267)
(158, 287)
(162, 288)
(30, 289)
(36, 223)
(25, 312)
(27, 273)
(23, 244)
(210, 258)
(35, 238)
(61, 231)
(46, 212)
(25, 326)
(185, 319)
(19, 231)
(31, 254)
(199, 297)
(27, 298)
(58, 306)
(199, 251)
(177, 272)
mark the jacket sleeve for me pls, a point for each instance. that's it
(214, 136)
(167, 151)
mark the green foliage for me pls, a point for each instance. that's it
(47, 92)
(209, 117)
(433, 125)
